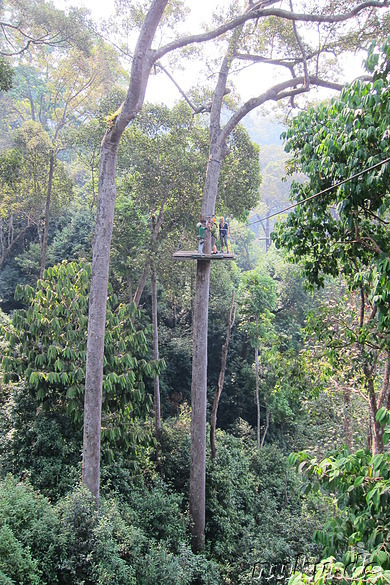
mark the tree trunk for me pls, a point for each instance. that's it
(96, 322)
(47, 211)
(157, 402)
(141, 284)
(347, 417)
(257, 394)
(156, 226)
(221, 379)
(217, 151)
(384, 396)
(377, 429)
(198, 406)
(267, 420)
(141, 65)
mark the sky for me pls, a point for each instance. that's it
(160, 89)
(200, 9)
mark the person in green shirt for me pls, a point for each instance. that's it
(201, 225)
(214, 233)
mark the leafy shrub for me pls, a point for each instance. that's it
(78, 518)
(157, 511)
(16, 563)
(355, 540)
(254, 511)
(30, 526)
(47, 353)
(118, 548)
(185, 568)
(175, 452)
(43, 445)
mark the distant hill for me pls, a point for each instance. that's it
(275, 185)
(263, 131)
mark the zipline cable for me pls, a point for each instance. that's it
(320, 192)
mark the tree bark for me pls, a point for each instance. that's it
(156, 226)
(221, 379)
(96, 322)
(157, 402)
(141, 283)
(347, 417)
(267, 420)
(47, 212)
(200, 324)
(257, 394)
(384, 395)
(198, 406)
(377, 429)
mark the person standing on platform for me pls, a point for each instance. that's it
(202, 228)
(213, 230)
(223, 234)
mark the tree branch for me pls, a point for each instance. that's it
(46, 39)
(199, 110)
(259, 13)
(279, 91)
(302, 49)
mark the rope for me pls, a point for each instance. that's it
(320, 192)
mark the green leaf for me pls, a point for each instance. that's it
(358, 481)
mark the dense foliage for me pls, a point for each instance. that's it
(355, 541)
(307, 371)
(140, 533)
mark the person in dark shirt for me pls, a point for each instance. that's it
(223, 234)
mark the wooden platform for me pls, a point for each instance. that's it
(188, 255)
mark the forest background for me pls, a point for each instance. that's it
(305, 334)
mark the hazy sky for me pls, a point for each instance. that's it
(160, 89)
(200, 9)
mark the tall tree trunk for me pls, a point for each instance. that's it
(192, 285)
(221, 378)
(96, 322)
(157, 402)
(384, 395)
(156, 226)
(377, 429)
(217, 151)
(141, 65)
(267, 421)
(347, 417)
(141, 283)
(257, 394)
(47, 212)
(198, 406)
